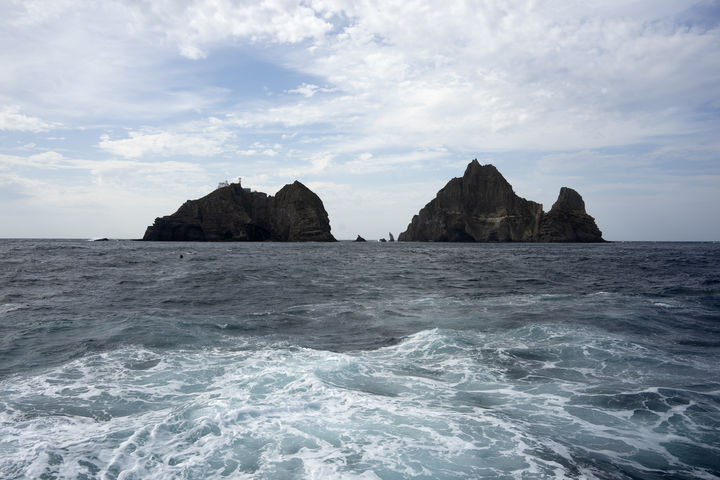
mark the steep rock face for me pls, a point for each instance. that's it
(567, 221)
(298, 215)
(231, 213)
(482, 207)
(479, 207)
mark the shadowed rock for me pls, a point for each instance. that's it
(232, 213)
(478, 207)
(481, 206)
(567, 221)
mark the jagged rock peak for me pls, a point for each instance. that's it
(475, 167)
(359, 239)
(569, 200)
(568, 221)
(233, 213)
(481, 206)
(478, 207)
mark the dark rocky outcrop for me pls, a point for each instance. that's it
(234, 213)
(481, 206)
(392, 239)
(567, 221)
(359, 239)
(478, 207)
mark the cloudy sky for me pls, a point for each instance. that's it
(115, 112)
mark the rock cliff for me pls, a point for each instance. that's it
(478, 207)
(232, 213)
(481, 206)
(567, 221)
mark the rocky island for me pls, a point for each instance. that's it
(234, 213)
(568, 221)
(481, 206)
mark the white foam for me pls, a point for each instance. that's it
(439, 404)
(11, 307)
(663, 305)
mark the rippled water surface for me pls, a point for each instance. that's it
(121, 360)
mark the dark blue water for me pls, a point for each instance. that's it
(120, 360)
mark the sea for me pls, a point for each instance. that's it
(143, 360)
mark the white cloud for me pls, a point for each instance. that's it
(260, 149)
(90, 62)
(72, 197)
(490, 75)
(309, 90)
(92, 209)
(139, 144)
(311, 165)
(11, 119)
(499, 76)
(372, 89)
(366, 162)
(130, 171)
(46, 159)
(202, 24)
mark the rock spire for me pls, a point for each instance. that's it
(481, 206)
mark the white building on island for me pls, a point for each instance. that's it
(226, 183)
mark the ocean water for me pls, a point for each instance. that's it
(121, 360)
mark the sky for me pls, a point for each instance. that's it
(115, 112)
